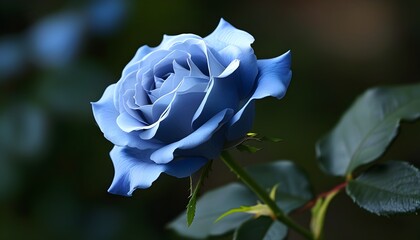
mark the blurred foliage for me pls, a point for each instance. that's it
(57, 56)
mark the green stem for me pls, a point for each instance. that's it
(263, 195)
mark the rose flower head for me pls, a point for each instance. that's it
(177, 105)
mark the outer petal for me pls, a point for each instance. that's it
(232, 43)
(198, 137)
(273, 79)
(133, 169)
(106, 116)
(226, 34)
(169, 40)
(274, 76)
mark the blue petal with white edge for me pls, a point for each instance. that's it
(273, 79)
(169, 40)
(134, 170)
(225, 34)
(106, 116)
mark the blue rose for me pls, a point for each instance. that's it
(178, 104)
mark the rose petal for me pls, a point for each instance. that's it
(193, 84)
(177, 123)
(106, 116)
(121, 87)
(140, 96)
(232, 43)
(130, 107)
(274, 76)
(144, 72)
(160, 110)
(241, 123)
(165, 64)
(138, 70)
(198, 137)
(229, 69)
(174, 80)
(158, 82)
(197, 48)
(169, 40)
(214, 66)
(273, 79)
(154, 114)
(194, 70)
(128, 124)
(210, 149)
(173, 103)
(162, 104)
(247, 71)
(151, 59)
(226, 34)
(133, 169)
(222, 94)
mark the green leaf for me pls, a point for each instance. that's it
(194, 191)
(393, 187)
(262, 228)
(293, 188)
(210, 206)
(367, 128)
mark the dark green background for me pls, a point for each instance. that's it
(53, 182)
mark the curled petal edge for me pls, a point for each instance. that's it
(134, 170)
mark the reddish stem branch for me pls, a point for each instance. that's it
(311, 203)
